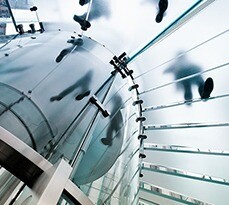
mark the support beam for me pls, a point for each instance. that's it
(11, 14)
(168, 194)
(147, 201)
(184, 174)
(183, 149)
(48, 187)
(184, 126)
(72, 190)
(175, 104)
(46, 182)
(20, 159)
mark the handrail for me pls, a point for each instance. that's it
(184, 174)
(183, 149)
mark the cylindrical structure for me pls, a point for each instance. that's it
(46, 84)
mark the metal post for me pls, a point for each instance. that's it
(11, 14)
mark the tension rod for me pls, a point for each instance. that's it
(11, 14)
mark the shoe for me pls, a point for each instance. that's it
(208, 88)
(83, 23)
(76, 42)
(57, 98)
(82, 2)
(61, 55)
(163, 5)
(81, 96)
(159, 17)
(105, 141)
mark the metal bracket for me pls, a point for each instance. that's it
(34, 8)
(142, 155)
(135, 86)
(120, 65)
(141, 119)
(137, 102)
(94, 100)
(142, 137)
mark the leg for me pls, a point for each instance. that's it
(199, 81)
(84, 83)
(108, 139)
(65, 92)
(99, 8)
(187, 90)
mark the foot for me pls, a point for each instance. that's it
(76, 42)
(188, 96)
(208, 88)
(106, 141)
(57, 98)
(159, 17)
(83, 23)
(61, 55)
(163, 5)
(81, 96)
(82, 2)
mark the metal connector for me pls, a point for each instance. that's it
(94, 100)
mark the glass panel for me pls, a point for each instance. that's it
(6, 24)
(168, 101)
(109, 169)
(138, 15)
(109, 19)
(79, 66)
(199, 53)
(190, 189)
(23, 15)
(16, 111)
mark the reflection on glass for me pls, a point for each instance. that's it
(107, 172)
(83, 83)
(182, 68)
(116, 121)
(163, 5)
(76, 43)
(98, 8)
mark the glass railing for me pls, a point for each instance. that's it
(62, 121)
(108, 172)
(16, 16)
